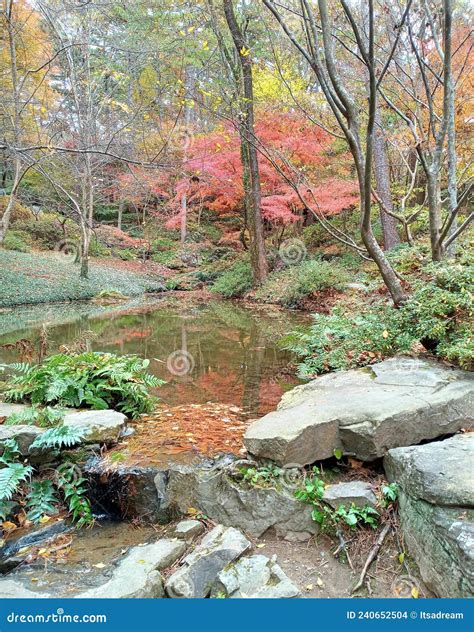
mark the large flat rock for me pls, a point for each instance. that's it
(137, 575)
(436, 493)
(99, 426)
(365, 412)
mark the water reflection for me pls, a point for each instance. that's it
(223, 352)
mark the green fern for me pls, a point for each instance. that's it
(41, 500)
(11, 477)
(10, 451)
(62, 436)
(95, 380)
(75, 494)
(34, 415)
(6, 509)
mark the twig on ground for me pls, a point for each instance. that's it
(372, 555)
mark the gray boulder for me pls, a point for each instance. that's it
(137, 575)
(437, 510)
(365, 412)
(358, 493)
(255, 577)
(99, 426)
(201, 567)
(226, 501)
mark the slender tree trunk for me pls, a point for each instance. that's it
(382, 180)
(120, 215)
(247, 134)
(451, 129)
(434, 210)
(17, 175)
(188, 115)
(5, 220)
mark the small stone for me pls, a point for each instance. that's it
(188, 530)
(358, 493)
(254, 577)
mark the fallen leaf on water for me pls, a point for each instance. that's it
(414, 592)
(99, 565)
(309, 587)
(320, 582)
(260, 546)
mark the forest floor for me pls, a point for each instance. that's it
(29, 278)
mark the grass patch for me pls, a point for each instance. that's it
(28, 278)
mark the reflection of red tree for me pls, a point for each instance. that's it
(221, 387)
(269, 395)
(127, 335)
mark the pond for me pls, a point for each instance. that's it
(205, 349)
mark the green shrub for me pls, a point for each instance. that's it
(17, 240)
(93, 380)
(438, 314)
(127, 254)
(289, 286)
(98, 249)
(167, 257)
(46, 230)
(163, 243)
(235, 281)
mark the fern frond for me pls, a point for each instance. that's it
(62, 436)
(11, 477)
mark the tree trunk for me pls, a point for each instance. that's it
(451, 128)
(382, 180)
(434, 211)
(247, 135)
(5, 220)
(119, 216)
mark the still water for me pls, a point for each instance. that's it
(206, 350)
